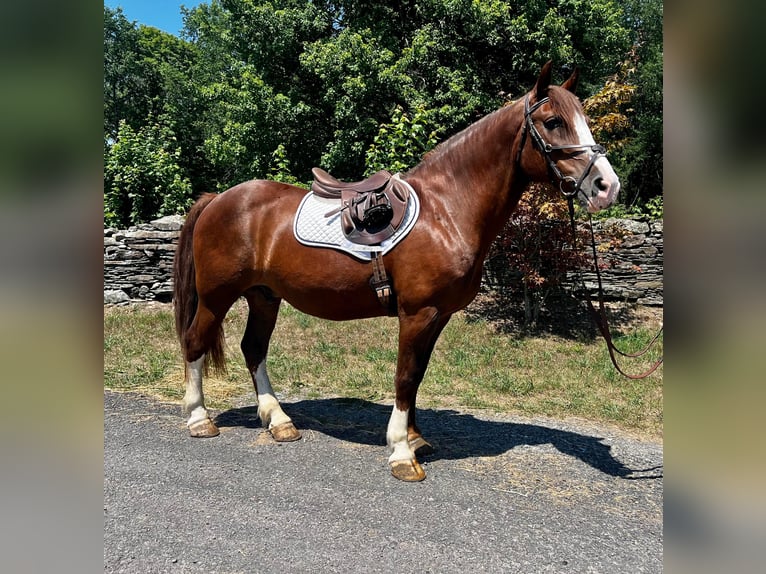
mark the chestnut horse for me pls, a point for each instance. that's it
(240, 243)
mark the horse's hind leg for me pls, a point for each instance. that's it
(264, 308)
(203, 337)
(199, 423)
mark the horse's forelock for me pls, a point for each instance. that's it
(566, 105)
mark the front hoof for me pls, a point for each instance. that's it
(408, 470)
(203, 429)
(285, 432)
(421, 447)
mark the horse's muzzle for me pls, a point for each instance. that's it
(606, 195)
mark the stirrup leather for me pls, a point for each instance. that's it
(379, 282)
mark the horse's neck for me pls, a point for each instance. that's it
(476, 183)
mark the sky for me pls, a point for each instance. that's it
(162, 14)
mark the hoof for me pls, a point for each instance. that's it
(421, 447)
(408, 470)
(203, 429)
(286, 432)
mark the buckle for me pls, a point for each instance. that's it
(571, 181)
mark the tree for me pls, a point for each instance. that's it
(141, 64)
(401, 144)
(334, 84)
(642, 157)
(124, 89)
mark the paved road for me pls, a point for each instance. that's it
(502, 494)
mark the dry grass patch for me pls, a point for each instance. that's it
(473, 366)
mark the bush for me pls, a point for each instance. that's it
(142, 179)
(533, 254)
(400, 144)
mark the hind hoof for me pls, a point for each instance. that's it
(421, 447)
(285, 432)
(203, 429)
(408, 470)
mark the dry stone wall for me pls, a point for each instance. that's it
(138, 262)
(631, 261)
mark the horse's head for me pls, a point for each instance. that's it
(563, 146)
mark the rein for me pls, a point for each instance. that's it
(599, 315)
(570, 188)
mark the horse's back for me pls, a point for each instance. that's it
(256, 196)
(245, 239)
(249, 206)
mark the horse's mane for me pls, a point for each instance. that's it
(562, 101)
(462, 141)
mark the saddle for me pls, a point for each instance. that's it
(371, 210)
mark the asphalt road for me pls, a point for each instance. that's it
(502, 494)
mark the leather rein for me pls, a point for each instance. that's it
(570, 188)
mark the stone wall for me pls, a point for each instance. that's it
(631, 257)
(138, 262)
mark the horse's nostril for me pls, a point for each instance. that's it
(601, 184)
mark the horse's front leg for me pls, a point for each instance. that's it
(417, 337)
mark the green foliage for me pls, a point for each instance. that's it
(354, 85)
(653, 209)
(142, 179)
(628, 108)
(141, 67)
(280, 168)
(401, 143)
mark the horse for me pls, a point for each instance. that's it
(240, 243)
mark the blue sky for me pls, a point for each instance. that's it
(162, 14)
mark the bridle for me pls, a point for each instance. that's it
(570, 188)
(568, 185)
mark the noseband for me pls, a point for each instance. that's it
(568, 185)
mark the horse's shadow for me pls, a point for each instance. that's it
(454, 435)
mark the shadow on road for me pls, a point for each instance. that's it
(454, 435)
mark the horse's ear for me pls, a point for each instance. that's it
(543, 81)
(571, 83)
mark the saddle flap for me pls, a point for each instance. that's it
(368, 210)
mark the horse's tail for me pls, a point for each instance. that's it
(185, 286)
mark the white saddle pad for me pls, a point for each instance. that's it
(312, 228)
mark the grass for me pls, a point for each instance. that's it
(473, 366)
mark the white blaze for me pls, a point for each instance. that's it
(597, 198)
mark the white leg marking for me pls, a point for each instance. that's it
(396, 436)
(194, 400)
(269, 411)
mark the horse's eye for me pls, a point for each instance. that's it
(553, 123)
